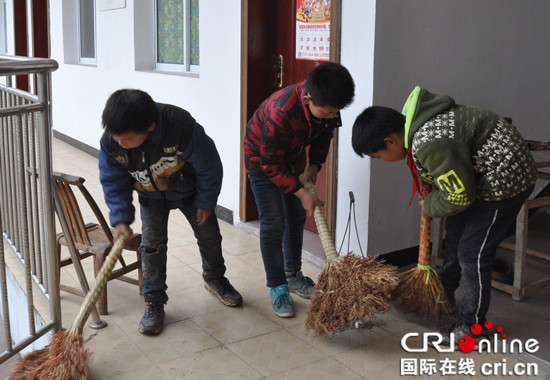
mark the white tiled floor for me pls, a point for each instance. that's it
(203, 339)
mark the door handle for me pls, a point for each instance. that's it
(280, 70)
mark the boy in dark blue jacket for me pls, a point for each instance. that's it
(163, 153)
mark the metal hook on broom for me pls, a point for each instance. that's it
(348, 226)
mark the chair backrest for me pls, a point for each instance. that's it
(64, 184)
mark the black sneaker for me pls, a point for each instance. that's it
(459, 330)
(153, 318)
(225, 292)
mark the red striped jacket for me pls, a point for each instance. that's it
(279, 132)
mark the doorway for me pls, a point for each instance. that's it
(268, 64)
(35, 45)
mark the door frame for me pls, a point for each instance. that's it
(332, 158)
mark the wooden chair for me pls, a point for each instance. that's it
(91, 239)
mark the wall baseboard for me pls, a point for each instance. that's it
(224, 214)
(77, 144)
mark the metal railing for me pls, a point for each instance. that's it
(27, 218)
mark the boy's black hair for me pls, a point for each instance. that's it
(330, 84)
(372, 126)
(129, 110)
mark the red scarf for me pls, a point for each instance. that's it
(416, 180)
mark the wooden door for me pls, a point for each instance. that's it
(271, 40)
(39, 36)
(295, 71)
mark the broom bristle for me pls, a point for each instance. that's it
(421, 294)
(351, 289)
(65, 359)
(26, 364)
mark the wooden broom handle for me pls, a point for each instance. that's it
(425, 224)
(101, 281)
(321, 222)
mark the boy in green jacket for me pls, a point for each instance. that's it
(482, 172)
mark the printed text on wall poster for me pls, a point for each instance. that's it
(313, 30)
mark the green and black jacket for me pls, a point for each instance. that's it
(468, 153)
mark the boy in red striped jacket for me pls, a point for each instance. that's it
(298, 116)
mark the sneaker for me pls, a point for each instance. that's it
(153, 318)
(225, 292)
(281, 302)
(301, 285)
(459, 330)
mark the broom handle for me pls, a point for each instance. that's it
(425, 224)
(101, 281)
(322, 227)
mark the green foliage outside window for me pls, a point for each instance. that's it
(170, 36)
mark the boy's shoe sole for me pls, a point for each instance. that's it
(303, 295)
(145, 331)
(283, 315)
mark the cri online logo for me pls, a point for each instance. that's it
(467, 343)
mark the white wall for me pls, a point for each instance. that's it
(357, 55)
(80, 91)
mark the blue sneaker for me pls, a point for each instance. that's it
(281, 302)
(301, 285)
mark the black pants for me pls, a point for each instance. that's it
(153, 248)
(471, 240)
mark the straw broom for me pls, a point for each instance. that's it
(350, 289)
(67, 358)
(420, 289)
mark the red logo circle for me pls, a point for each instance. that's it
(466, 344)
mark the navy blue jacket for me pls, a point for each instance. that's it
(177, 163)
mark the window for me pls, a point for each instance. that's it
(86, 31)
(79, 31)
(177, 35)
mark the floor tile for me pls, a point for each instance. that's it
(176, 340)
(235, 324)
(215, 363)
(324, 369)
(276, 352)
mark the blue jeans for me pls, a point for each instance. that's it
(471, 240)
(153, 247)
(282, 220)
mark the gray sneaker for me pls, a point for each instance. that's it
(225, 292)
(301, 285)
(459, 330)
(153, 318)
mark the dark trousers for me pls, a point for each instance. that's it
(282, 220)
(471, 240)
(153, 247)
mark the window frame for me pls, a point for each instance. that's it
(186, 66)
(3, 27)
(81, 59)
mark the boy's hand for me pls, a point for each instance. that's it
(421, 203)
(202, 216)
(312, 172)
(122, 229)
(309, 201)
